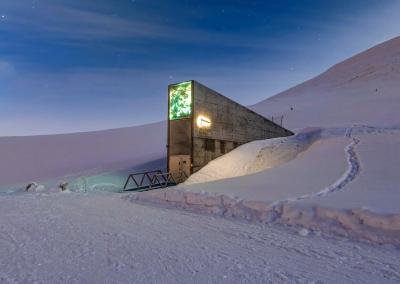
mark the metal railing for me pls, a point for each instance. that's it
(153, 179)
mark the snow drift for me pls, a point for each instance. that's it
(256, 156)
(361, 224)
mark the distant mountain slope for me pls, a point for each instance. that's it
(40, 157)
(362, 89)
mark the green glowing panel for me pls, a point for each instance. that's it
(180, 100)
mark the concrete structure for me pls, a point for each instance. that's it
(203, 125)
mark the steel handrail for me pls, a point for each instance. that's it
(156, 179)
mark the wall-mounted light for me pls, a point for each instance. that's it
(203, 122)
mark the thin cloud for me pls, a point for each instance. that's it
(63, 22)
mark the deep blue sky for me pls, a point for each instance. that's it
(73, 65)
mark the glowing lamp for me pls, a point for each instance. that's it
(203, 122)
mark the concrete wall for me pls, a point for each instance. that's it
(231, 125)
(180, 139)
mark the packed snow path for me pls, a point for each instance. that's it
(353, 162)
(103, 238)
(351, 172)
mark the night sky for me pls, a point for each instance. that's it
(74, 65)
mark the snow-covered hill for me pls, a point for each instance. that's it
(24, 159)
(364, 89)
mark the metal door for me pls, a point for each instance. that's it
(180, 163)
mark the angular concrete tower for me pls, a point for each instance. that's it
(203, 125)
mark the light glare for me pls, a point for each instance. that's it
(203, 121)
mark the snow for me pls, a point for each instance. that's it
(304, 232)
(87, 152)
(103, 238)
(320, 184)
(360, 90)
(271, 184)
(256, 156)
(377, 185)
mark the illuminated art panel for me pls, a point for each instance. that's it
(180, 101)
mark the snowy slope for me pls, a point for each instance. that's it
(345, 183)
(256, 156)
(359, 162)
(76, 238)
(24, 159)
(364, 89)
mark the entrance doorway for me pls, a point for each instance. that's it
(180, 163)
